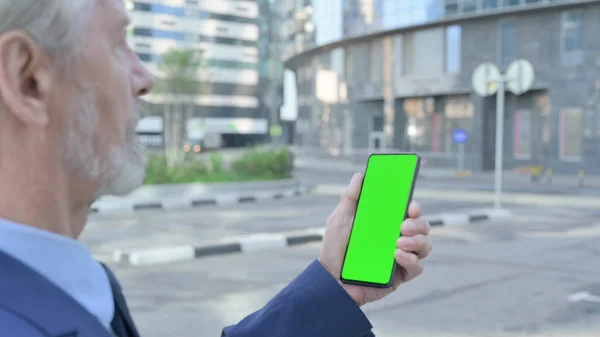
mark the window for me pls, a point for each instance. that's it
(572, 31)
(420, 123)
(458, 114)
(453, 49)
(230, 64)
(451, 7)
(163, 34)
(570, 128)
(522, 135)
(377, 61)
(508, 42)
(157, 8)
(488, 4)
(408, 54)
(509, 3)
(469, 6)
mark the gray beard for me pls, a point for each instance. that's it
(121, 172)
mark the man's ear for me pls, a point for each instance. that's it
(25, 76)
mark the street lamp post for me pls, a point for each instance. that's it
(487, 81)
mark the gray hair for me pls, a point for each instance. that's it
(55, 24)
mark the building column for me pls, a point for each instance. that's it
(399, 125)
(388, 92)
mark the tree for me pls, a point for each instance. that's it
(180, 84)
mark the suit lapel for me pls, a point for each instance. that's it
(122, 319)
(27, 293)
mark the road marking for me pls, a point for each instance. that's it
(258, 242)
(158, 256)
(583, 296)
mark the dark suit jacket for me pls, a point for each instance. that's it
(312, 305)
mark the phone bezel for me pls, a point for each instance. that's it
(410, 197)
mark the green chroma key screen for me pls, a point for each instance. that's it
(381, 209)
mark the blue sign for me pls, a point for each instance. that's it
(460, 136)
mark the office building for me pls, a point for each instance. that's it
(228, 34)
(400, 77)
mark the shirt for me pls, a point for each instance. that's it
(63, 261)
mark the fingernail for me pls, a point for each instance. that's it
(355, 179)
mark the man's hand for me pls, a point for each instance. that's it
(412, 246)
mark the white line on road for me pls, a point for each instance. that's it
(583, 296)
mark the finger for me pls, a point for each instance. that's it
(412, 227)
(349, 199)
(414, 210)
(410, 262)
(418, 244)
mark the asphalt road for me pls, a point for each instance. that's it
(493, 279)
(490, 279)
(155, 228)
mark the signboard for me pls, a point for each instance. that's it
(484, 79)
(460, 136)
(245, 126)
(275, 130)
(520, 76)
(150, 140)
(327, 89)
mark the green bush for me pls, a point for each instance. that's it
(216, 162)
(265, 162)
(158, 172)
(255, 164)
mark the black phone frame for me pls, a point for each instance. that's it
(410, 197)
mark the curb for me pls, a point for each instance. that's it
(350, 167)
(274, 241)
(187, 203)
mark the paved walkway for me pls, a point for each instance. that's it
(483, 197)
(341, 165)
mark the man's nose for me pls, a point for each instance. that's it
(143, 79)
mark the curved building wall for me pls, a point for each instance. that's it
(410, 88)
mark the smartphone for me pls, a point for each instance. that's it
(385, 196)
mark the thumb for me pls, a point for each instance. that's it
(349, 199)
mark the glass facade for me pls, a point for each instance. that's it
(411, 90)
(466, 7)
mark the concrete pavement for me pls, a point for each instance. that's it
(490, 280)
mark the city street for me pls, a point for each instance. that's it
(536, 276)
(151, 228)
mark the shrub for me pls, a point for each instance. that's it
(158, 172)
(256, 163)
(216, 162)
(265, 162)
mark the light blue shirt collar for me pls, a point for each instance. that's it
(63, 261)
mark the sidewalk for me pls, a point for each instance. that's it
(509, 176)
(340, 165)
(484, 197)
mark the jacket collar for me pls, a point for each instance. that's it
(28, 294)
